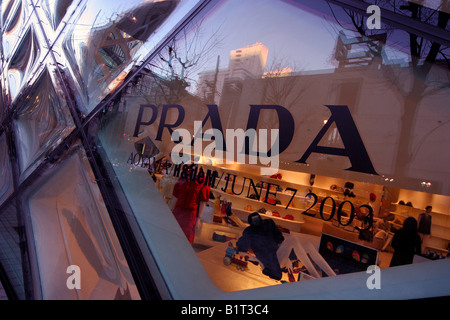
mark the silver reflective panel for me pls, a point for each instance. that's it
(14, 16)
(23, 61)
(103, 43)
(41, 122)
(55, 10)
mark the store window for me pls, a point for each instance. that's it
(71, 236)
(356, 119)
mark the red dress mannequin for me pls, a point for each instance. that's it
(191, 197)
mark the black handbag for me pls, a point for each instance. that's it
(366, 235)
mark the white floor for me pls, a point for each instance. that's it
(229, 278)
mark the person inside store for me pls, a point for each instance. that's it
(367, 231)
(274, 252)
(383, 231)
(406, 243)
(425, 224)
(188, 203)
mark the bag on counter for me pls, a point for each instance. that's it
(366, 235)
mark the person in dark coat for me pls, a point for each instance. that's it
(264, 238)
(406, 243)
(425, 225)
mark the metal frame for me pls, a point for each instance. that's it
(408, 24)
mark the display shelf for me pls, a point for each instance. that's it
(438, 219)
(204, 236)
(440, 223)
(239, 203)
(320, 192)
(299, 200)
(417, 211)
(287, 182)
(292, 225)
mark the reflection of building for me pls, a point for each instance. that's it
(250, 61)
(247, 62)
(368, 81)
(90, 202)
(358, 50)
(100, 63)
(113, 45)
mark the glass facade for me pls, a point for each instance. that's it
(70, 226)
(122, 162)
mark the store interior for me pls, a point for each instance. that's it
(309, 207)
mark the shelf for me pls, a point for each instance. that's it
(433, 234)
(299, 187)
(258, 204)
(263, 215)
(238, 204)
(301, 202)
(418, 210)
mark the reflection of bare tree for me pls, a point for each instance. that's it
(424, 55)
(283, 86)
(183, 57)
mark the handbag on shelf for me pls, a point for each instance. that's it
(366, 235)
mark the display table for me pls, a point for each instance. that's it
(443, 252)
(229, 278)
(351, 236)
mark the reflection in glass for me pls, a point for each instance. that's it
(71, 226)
(6, 9)
(10, 249)
(6, 182)
(301, 56)
(13, 27)
(100, 59)
(2, 102)
(55, 10)
(22, 62)
(40, 122)
(350, 65)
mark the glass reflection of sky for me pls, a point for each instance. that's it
(300, 34)
(290, 34)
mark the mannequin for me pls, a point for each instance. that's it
(425, 224)
(188, 203)
(273, 250)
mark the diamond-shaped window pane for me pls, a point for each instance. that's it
(22, 63)
(14, 25)
(72, 227)
(55, 10)
(102, 55)
(40, 123)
